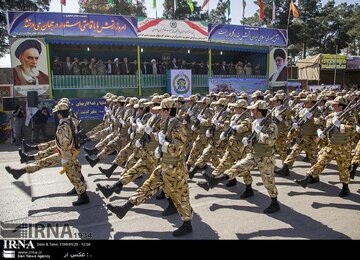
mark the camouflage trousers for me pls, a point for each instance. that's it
(235, 151)
(197, 148)
(101, 134)
(104, 142)
(341, 153)
(96, 129)
(145, 165)
(124, 154)
(281, 146)
(46, 162)
(356, 157)
(44, 146)
(173, 181)
(115, 144)
(266, 166)
(307, 144)
(212, 153)
(73, 172)
(45, 153)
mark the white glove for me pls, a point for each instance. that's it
(190, 113)
(137, 144)
(222, 136)
(258, 128)
(161, 138)
(138, 121)
(131, 120)
(129, 130)
(199, 117)
(320, 134)
(279, 117)
(193, 128)
(121, 121)
(295, 126)
(245, 141)
(336, 122)
(112, 118)
(232, 124)
(184, 122)
(148, 130)
(208, 134)
(358, 129)
(308, 115)
(132, 135)
(192, 118)
(215, 122)
(157, 153)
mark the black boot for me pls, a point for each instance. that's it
(16, 173)
(344, 191)
(109, 172)
(84, 141)
(90, 152)
(108, 190)
(304, 182)
(249, 192)
(121, 211)
(284, 171)
(71, 192)
(185, 228)
(27, 147)
(83, 199)
(25, 158)
(171, 209)
(353, 168)
(92, 162)
(231, 183)
(273, 207)
(212, 181)
(203, 185)
(195, 169)
(161, 196)
(315, 180)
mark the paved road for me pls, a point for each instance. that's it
(313, 213)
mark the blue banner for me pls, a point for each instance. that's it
(88, 109)
(239, 34)
(249, 85)
(66, 24)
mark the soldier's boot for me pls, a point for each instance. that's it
(304, 182)
(212, 181)
(71, 192)
(90, 152)
(82, 199)
(108, 190)
(109, 172)
(315, 180)
(120, 211)
(84, 141)
(353, 168)
(195, 169)
(92, 162)
(231, 183)
(171, 209)
(344, 191)
(273, 207)
(306, 158)
(203, 185)
(249, 192)
(284, 171)
(161, 196)
(185, 228)
(16, 173)
(25, 158)
(27, 147)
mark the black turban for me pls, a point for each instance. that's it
(279, 53)
(28, 44)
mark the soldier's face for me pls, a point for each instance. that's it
(29, 58)
(336, 108)
(164, 113)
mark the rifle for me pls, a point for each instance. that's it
(267, 118)
(146, 137)
(74, 134)
(213, 126)
(164, 132)
(197, 122)
(230, 130)
(304, 119)
(187, 117)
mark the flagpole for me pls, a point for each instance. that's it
(61, 7)
(288, 22)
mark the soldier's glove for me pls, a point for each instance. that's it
(190, 113)
(208, 134)
(121, 121)
(193, 128)
(320, 134)
(245, 141)
(157, 153)
(131, 120)
(233, 124)
(112, 118)
(295, 126)
(222, 136)
(215, 122)
(132, 135)
(161, 138)
(138, 121)
(193, 118)
(148, 130)
(336, 122)
(258, 128)
(308, 115)
(358, 129)
(199, 117)
(137, 144)
(129, 130)
(279, 118)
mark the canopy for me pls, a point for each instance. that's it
(309, 68)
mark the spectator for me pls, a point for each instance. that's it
(57, 67)
(125, 68)
(40, 119)
(85, 70)
(109, 67)
(116, 68)
(19, 124)
(67, 68)
(75, 67)
(154, 67)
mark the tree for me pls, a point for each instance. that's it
(119, 7)
(219, 15)
(354, 32)
(20, 5)
(183, 11)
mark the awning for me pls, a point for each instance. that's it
(309, 68)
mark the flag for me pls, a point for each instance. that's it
(204, 4)
(154, 4)
(261, 10)
(63, 2)
(110, 2)
(191, 5)
(293, 9)
(273, 11)
(244, 5)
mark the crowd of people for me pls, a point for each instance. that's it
(172, 138)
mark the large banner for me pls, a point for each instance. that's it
(278, 67)
(353, 63)
(239, 34)
(324, 87)
(67, 24)
(172, 29)
(29, 63)
(328, 61)
(249, 85)
(180, 82)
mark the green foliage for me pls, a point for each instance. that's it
(119, 7)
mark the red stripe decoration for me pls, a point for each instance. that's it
(149, 24)
(197, 28)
